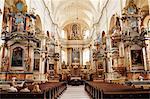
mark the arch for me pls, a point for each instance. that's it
(114, 23)
(103, 38)
(145, 8)
(38, 24)
(138, 3)
(145, 11)
(146, 21)
(16, 5)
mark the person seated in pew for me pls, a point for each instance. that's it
(25, 88)
(141, 78)
(14, 83)
(12, 88)
(36, 88)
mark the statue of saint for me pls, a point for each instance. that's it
(27, 63)
(74, 29)
(19, 21)
(5, 63)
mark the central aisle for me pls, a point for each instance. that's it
(75, 92)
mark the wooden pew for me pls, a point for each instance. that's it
(48, 91)
(114, 91)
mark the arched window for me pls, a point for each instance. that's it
(64, 56)
(63, 34)
(86, 34)
(17, 57)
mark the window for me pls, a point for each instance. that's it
(63, 34)
(86, 56)
(64, 56)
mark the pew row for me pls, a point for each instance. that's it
(48, 91)
(99, 90)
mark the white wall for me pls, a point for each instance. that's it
(42, 11)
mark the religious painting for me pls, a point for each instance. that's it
(19, 6)
(17, 57)
(137, 57)
(75, 55)
(75, 34)
(36, 64)
(100, 65)
(51, 66)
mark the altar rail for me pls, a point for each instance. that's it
(101, 90)
(48, 91)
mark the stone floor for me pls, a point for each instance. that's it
(75, 92)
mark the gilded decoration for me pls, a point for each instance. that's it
(19, 6)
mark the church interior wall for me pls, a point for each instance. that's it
(50, 35)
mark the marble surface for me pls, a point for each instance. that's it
(75, 92)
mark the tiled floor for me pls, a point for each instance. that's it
(75, 92)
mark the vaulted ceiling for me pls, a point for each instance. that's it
(84, 12)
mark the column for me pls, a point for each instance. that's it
(1, 18)
(42, 61)
(70, 56)
(60, 60)
(81, 57)
(149, 5)
(148, 54)
(55, 67)
(109, 54)
(148, 47)
(41, 67)
(129, 58)
(144, 57)
(1, 15)
(9, 53)
(91, 57)
(31, 55)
